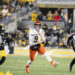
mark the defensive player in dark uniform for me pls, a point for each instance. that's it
(2, 43)
(71, 42)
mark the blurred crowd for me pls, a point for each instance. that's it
(56, 36)
(11, 10)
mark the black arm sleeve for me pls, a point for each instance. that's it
(69, 40)
(2, 60)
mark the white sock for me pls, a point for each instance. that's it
(29, 62)
(47, 57)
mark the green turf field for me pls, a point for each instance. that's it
(16, 65)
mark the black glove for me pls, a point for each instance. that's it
(43, 42)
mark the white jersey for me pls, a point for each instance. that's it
(36, 36)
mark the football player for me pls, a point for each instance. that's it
(35, 34)
(71, 42)
(2, 42)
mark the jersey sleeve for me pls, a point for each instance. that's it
(70, 38)
(43, 35)
(29, 36)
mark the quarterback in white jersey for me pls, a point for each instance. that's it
(36, 36)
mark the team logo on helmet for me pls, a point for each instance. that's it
(37, 23)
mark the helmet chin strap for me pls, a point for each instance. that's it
(37, 29)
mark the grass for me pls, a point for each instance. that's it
(16, 65)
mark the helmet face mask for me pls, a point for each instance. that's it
(37, 25)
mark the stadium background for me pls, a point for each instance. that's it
(58, 22)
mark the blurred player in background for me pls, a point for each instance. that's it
(71, 42)
(35, 34)
(4, 48)
(2, 43)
